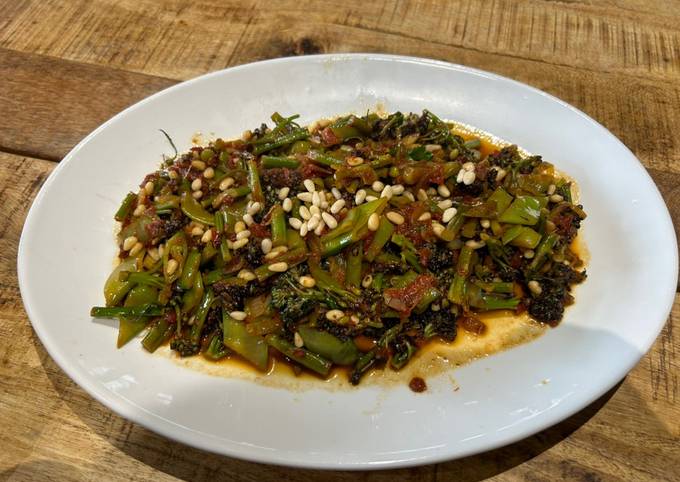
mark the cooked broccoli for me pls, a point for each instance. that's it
(548, 307)
(439, 259)
(294, 302)
(253, 254)
(232, 295)
(185, 347)
(430, 323)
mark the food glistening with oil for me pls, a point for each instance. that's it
(353, 242)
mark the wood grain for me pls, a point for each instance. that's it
(66, 66)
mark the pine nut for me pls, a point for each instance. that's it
(387, 192)
(139, 210)
(304, 229)
(432, 147)
(449, 214)
(398, 189)
(313, 222)
(551, 190)
(309, 185)
(207, 236)
(319, 229)
(469, 177)
(283, 193)
(295, 223)
(226, 183)
(297, 340)
(245, 234)
(475, 244)
(314, 210)
(136, 248)
(445, 204)
(316, 199)
(239, 226)
(279, 267)
(246, 274)
(278, 251)
(129, 242)
(305, 197)
(409, 195)
(425, 217)
(334, 315)
(422, 195)
(330, 221)
(254, 208)
(200, 165)
(248, 219)
(336, 193)
(238, 244)
(171, 267)
(196, 184)
(395, 218)
(371, 198)
(337, 206)
(197, 194)
(307, 281)
(443, 190)
(209, 173)
(535, 287)
(486, 224)
(238, 315)
(266, 245)
(304, 213)
(378, 186)
(287, 205)
(373, 222)
(438, 229)
(149, 187)
(153, 253)
(556, 198)
(197, 231)
(359, 197)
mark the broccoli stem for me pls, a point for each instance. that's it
(278, 226)
(306, 358)
(148, 309)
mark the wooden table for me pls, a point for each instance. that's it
(66, 66)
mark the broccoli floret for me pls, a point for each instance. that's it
(253, 254)
(294, 302)
(430, 323)
(185, 347)
(291, 301)
(439, 258)
(548, 307)
(232, 295)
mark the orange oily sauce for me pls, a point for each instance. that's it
(504, 329)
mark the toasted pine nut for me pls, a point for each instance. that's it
(307, 281)
(129, 242)
(238, 315)
(279, 267)
(395, 218)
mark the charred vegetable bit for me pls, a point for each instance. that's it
(351, 242)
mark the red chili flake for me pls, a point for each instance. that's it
(406, 298)
(328, 137)
(417, 385)
(259, 230)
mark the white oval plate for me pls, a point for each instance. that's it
(67, 246)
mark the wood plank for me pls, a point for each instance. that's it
(182, 39)
(54, 430)
(59, 109)
(48, 105)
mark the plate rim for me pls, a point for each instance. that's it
(138, 415)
